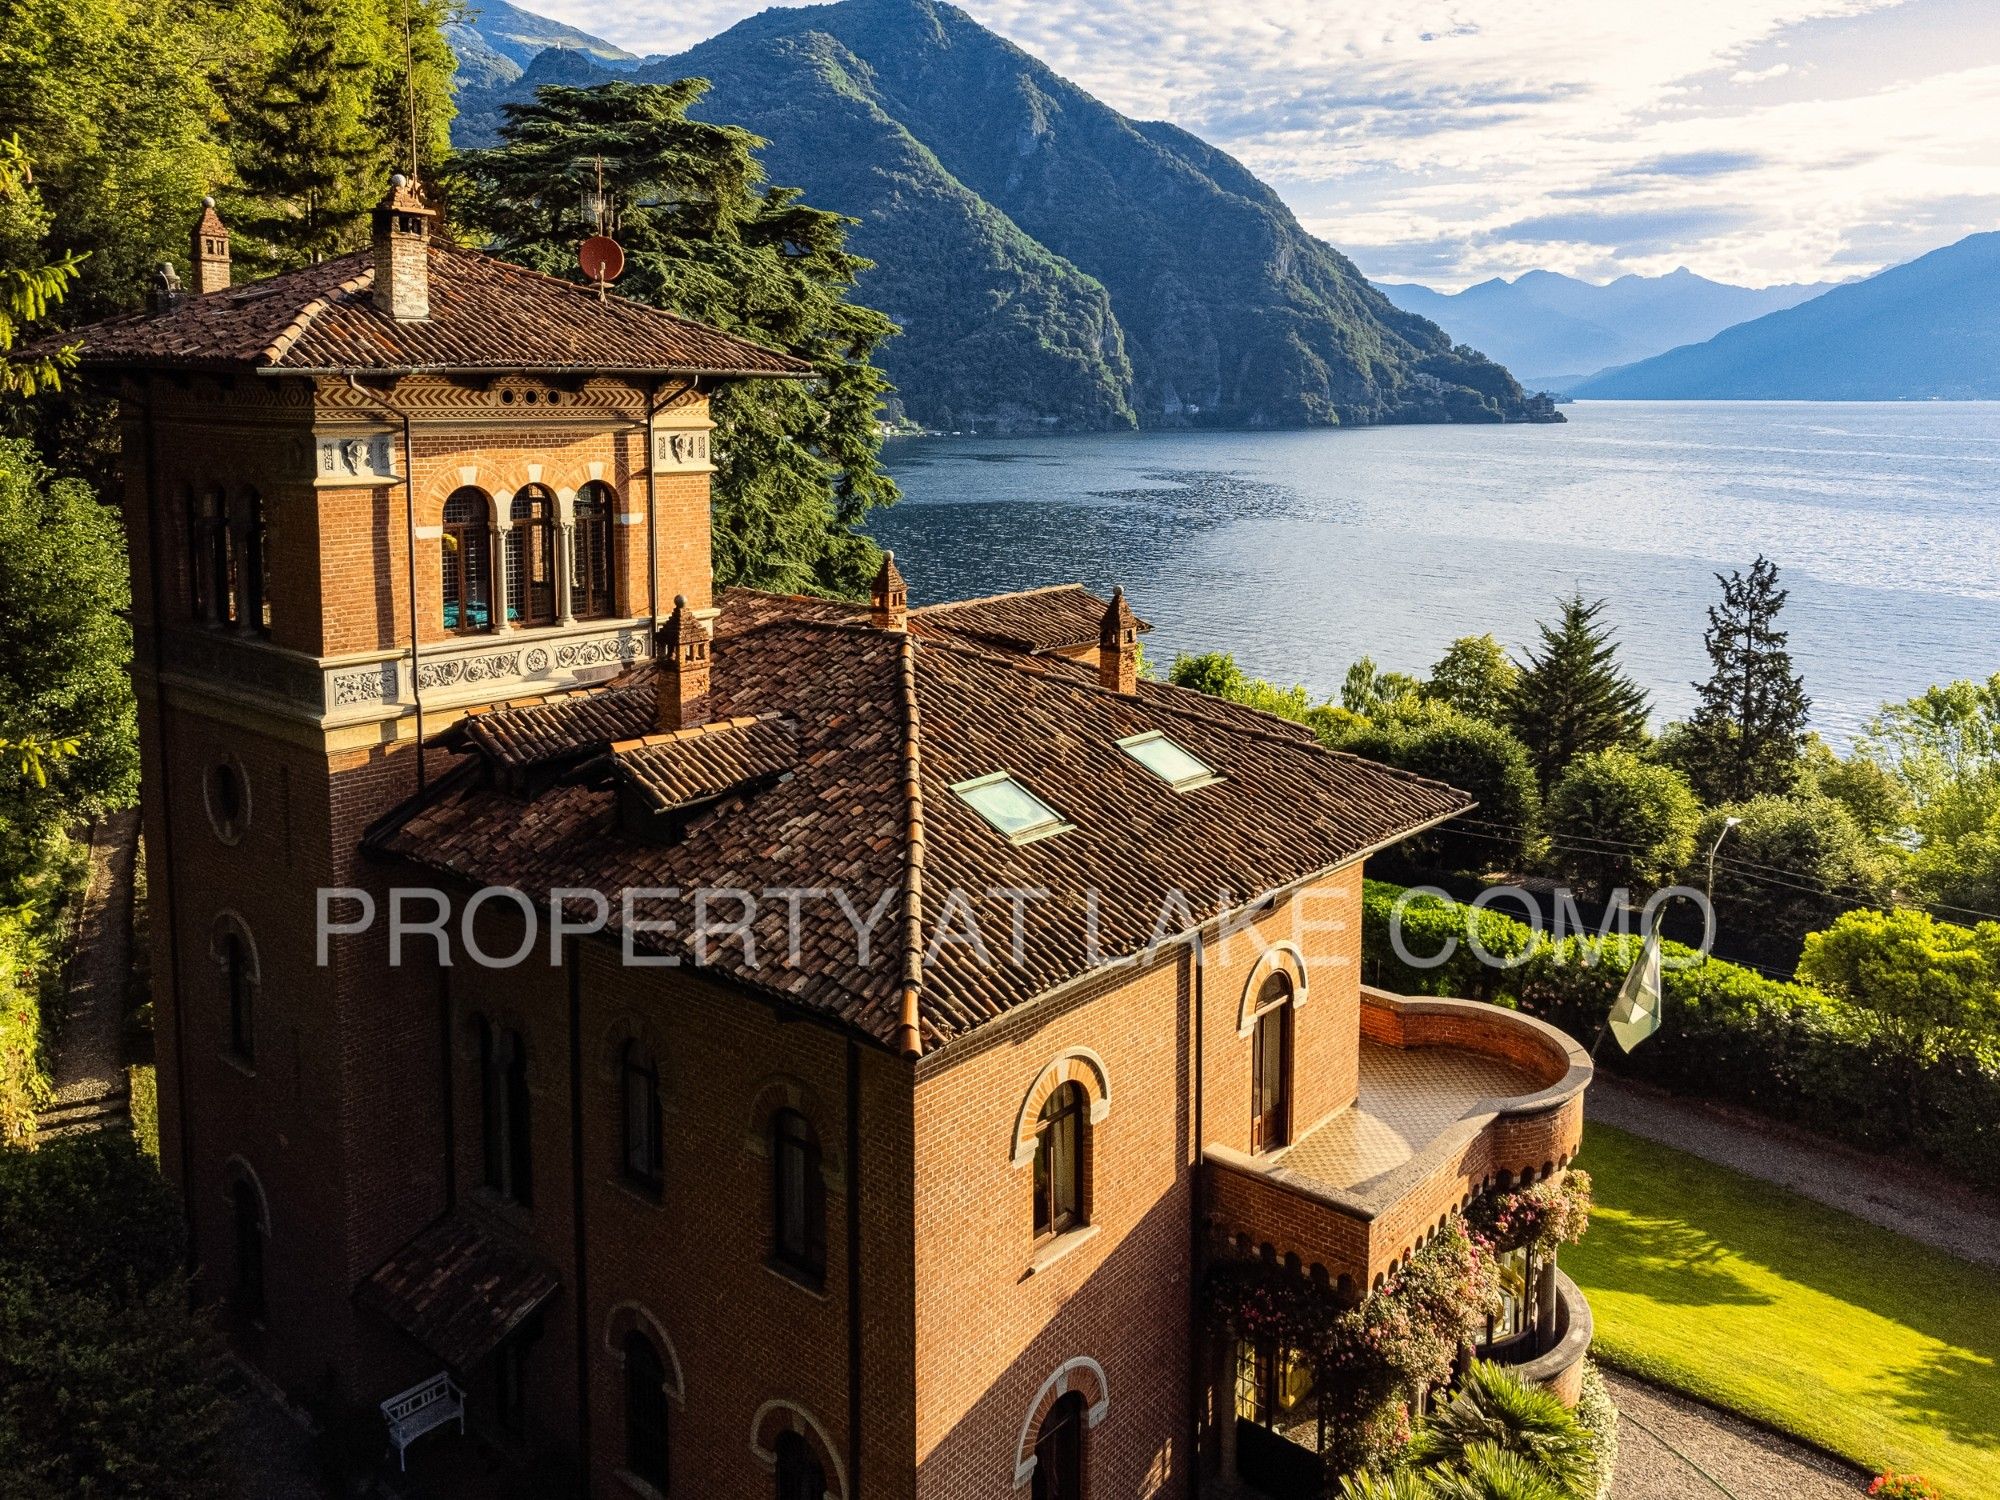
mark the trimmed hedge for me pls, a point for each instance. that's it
(1729, 1033)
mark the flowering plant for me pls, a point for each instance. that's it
(1555, 1211)
(1893, 1486)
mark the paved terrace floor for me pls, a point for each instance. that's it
(1408, 1097)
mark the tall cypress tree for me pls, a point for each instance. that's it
(706, 237)
(1572, 697)
(1746, 736)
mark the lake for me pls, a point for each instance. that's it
(1299, 551)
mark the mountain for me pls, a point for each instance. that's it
(1053, 264)
(1926, 330)
(1556, 330)
(496, 41)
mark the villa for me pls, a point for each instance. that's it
(847, 1037)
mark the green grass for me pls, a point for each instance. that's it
(1773, 1305)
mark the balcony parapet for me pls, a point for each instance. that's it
(1456, 1097)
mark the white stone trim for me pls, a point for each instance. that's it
(1100, 1107)
(1246, 1013)
(676, 1380)
(1059, 1382)
(800, 1421)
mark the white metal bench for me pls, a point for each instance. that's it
(425, 1405)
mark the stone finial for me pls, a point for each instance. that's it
(1118, 647)
(681, 655)
(208, 251)
(889, 599)
(402, 226)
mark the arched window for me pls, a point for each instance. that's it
(639, 1086)
(799, 1475)
(798, 1197)
(503, 1112)
(239, 993)
(1271, 1065)
(590, 588)
(256, 571)
(1059, 1161)
(1059, 1451)
(645, 1411)
(211, 560)
(531, 558)
(247, 1216)
(468, 563)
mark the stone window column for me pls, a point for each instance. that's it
(245, 549)
(565, 554)
(503, 533)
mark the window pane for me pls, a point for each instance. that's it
(1007, 805)
(1166, 760)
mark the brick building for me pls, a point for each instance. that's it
(844, 1032)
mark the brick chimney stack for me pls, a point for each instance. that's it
(208, 251)
(682, 657)
(1118, 647)
(402, 255)
(889, 600)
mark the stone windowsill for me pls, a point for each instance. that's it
(1062, 1246)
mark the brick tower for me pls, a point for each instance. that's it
(363, 499)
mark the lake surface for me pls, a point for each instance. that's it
(1299, 551)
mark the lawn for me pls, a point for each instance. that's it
(1878, 1348)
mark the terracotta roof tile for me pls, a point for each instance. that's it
(486, 314)
(692, 766)
(458, 1290)
(1062, 617)
(885, 725)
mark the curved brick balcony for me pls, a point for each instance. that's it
(1455, 1097)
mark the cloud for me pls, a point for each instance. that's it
(1454, 140)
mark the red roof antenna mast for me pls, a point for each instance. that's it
(601, 257)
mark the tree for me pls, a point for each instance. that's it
(64, 595)
(1925, 982)
(1957, 860)
(1367, 690)
(30, 285)
(1945, 735)
(1477, 757)
(1474, 676)
(304, 151)
(1878, 802)
(1616, 821)
(704, 236)
(1572, 697)
(1790, 867)
(1747, 732)
(1217, 674)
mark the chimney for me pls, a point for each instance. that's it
(889, 600)
(402, 264)
(208, 251)
(1118, 647)
(682, 661)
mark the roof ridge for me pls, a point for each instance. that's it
(1047, 588)
(908, 1036)
(295, 330)
(693, 731)
(1082, 685)
(646, 307)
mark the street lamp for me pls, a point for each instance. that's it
(1709, 915)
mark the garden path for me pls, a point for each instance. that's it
(1662, 1438)
(91, 1088)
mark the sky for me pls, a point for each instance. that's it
(1448, 141)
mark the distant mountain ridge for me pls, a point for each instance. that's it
(1556, 331)
(1054, 265)
(1925, 330)
(496, 42)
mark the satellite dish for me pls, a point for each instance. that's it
(601, 258)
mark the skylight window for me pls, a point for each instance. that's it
(1011, 808)
(1168, 761)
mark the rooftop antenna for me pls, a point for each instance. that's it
(601, 257)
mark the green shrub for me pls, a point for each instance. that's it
(1598, 1416)
(110, 1386)
(1479, 758)
(1494, 1407)
(1790, 867)
(1618, 822)
(1784, 1049)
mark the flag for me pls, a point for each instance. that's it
(1635, 1015)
